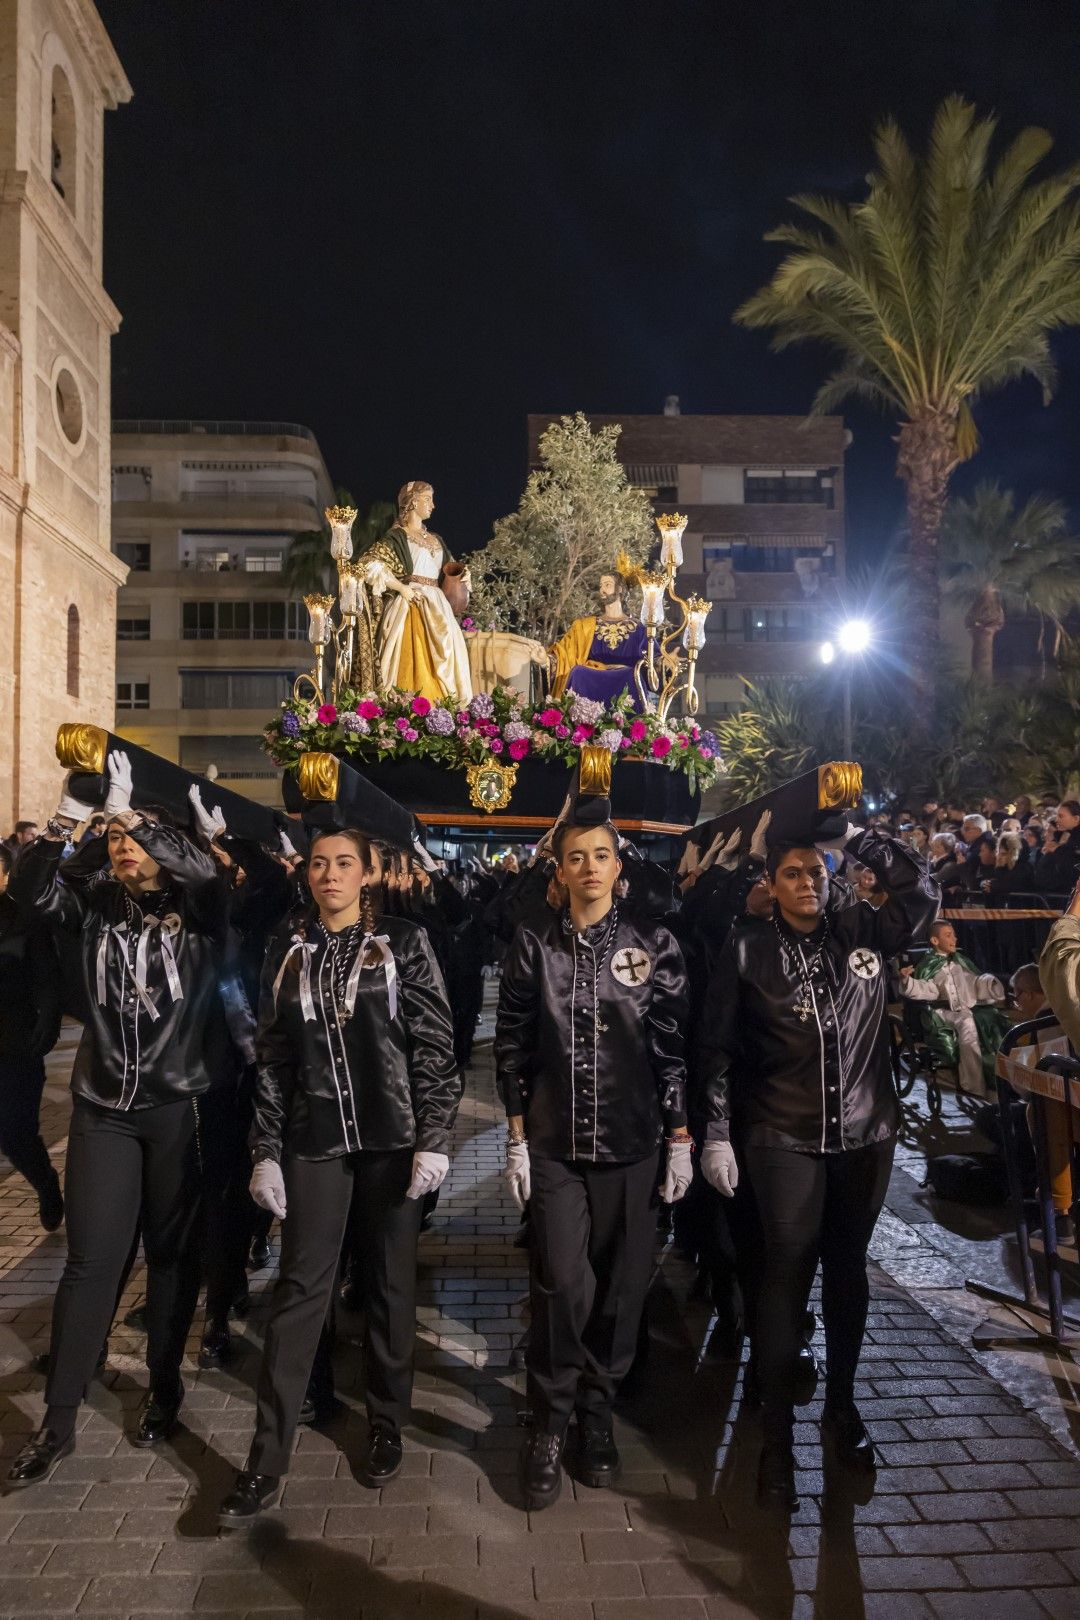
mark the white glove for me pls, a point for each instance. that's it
(518, 1172)
(691, 855)
(719, 1168)
(119, 795)
(267, 1187)
(680, 1171)
(757, 842)
(70, 808)
(723, 850)
(210, 824)
(426, 861)
(288, 848)
(841, 840)
(428, 1173)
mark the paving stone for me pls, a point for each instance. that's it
(588, 1581)
(150, 1594)
(1015, 1605)
(944, 1539)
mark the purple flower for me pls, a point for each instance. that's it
(495, 744)
(610, 739)
(440, 722)
(711, 741)
(401, 724)
(355, 725)
(517, 731)
(585, 712)
(290, 725)
(482, 706)
(410, 734)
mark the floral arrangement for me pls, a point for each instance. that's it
(395, 724)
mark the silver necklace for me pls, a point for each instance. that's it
(341, 948)
(804, 1007)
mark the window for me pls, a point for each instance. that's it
(136, 553)
(748, 558)
(237, 756)
(133, 629)
(64, 170)
(800, 486)
(73, 651)
(67, 400)
(234, 688)
(728, 625)
(263, 562)
(133, 694)
(243, 621)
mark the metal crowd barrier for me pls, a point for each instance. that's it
(1053, 1075)
(1002, 938)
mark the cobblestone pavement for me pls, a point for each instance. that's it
(975, 1512)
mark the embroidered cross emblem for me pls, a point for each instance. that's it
(864, 964)
(631, 967)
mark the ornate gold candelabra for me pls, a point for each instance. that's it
(669, 664)
(353, 609)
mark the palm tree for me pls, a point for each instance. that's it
(940, 286)
(995, 559)
(308, 565)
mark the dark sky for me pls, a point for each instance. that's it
(408, 223)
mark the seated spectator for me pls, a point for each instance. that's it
(945, 865)
(974, 834)
(1058, 866)
(967, 1031)
(1010, 873)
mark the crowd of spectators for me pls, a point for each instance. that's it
(1002, 849)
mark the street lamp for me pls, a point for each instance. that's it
(852, 638)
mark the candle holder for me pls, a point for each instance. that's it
(353, 631)
(668, 666)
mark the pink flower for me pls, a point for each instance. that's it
(409, 734)
(401, 724)
(550, 717)
(461, 717)
(420, 705)
(519, 749)
(661, 747)
(496, 745)
(367, 710)
(638, 731)
(582, 734)
(695, 733)
(562, 731)
(627, 742)
(327, 714)
(684, 742)
(706, 753)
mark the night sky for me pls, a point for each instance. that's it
(409, 223)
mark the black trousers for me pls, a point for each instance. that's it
(594, 1241)
(226, 1114)
(123, 1168)
(814, 1206)
(22, 1081)
(364, 1192)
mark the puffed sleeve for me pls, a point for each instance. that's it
(40, 892)
(913, 896)
(516, 1022)
(716, 1047)
(434, 1077)
(665, 1024)
(277, 1063)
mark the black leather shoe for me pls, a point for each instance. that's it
(260, 1254)
(216, 1349)
(597, 1455)
(38, 1458)
(136, 1319)
(845, 1430)
(157, 1419)
(776, 1476)
(248, 1497)
(51, 1204)
(541, 1470)
(383, 1459)
(317, 1409)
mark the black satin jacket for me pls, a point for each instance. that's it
(589, 1037)
(781, 1067)
(29, 986)
(328, 1086)
(137, 1051)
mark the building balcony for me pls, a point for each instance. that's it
(757, 520)
(224, 511)
(172, 427)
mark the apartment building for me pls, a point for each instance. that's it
(208, 642)
(764, 496)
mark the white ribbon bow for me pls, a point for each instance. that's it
(377, 942)
(166, 927)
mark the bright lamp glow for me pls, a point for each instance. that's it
(827, 652)
(854, 636)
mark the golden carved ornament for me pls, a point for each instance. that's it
(490, 785)
(81, 747)
(839, 785)
(318, 775)
(671, 520)
(595, 774)
(341, 514)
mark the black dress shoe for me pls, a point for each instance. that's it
(38, 1458)
(317, 1409)
(216, 1349)
(597, 1455)
(157, 1419)
(51, 1204)
(776, 1476)
(248, 1497)
(136, 1318)
(383, 1458)
(844, 1429)
(260, 1254)
(541, 1470)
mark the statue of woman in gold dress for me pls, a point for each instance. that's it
(419, 644)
